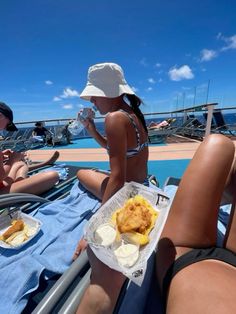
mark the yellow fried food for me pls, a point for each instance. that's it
(137, 218)
(17, 225)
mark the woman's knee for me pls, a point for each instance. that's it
(51, 176)
(219, 140)
(83, 175)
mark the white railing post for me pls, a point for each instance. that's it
(209, 119)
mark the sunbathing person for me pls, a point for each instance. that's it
(161, 125)
(126, 142)
(126, 132)
(125, 128)
(14, 169)
(194, 274)
(40, 133)
(203, 277)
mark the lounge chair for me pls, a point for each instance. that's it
(65, 295)
(160, 135)
(66, 292)
(52, 214)
(59, 135)
(221, 126)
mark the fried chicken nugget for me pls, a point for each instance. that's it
(17, 226)
(134, 216)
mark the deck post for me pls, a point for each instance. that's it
(209, 119)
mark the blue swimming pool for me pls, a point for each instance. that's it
(160, 168)
(83, 143)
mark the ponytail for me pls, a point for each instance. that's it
(135, 102)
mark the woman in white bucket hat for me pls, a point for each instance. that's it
(126, 137)
(126, 142)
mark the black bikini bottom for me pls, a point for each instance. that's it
(194, 256)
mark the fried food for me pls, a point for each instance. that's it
(17, 225)
(133, 217)
(18, 233)
(137, 218)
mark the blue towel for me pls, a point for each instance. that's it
(61, 169)
(49, 253)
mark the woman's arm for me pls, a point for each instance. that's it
(117, 142)
(91, 128)
(2, 170)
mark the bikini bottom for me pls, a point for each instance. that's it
(194, 256)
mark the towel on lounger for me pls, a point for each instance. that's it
(49, 253)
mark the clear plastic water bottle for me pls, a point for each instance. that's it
(76, 127)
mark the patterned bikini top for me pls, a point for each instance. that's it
(134, 151)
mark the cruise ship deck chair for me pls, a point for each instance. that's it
(49, 254)
(65, 295)
(159, 135)
(221, 126)
(58, 135)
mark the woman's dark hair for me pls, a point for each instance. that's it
(135, 102)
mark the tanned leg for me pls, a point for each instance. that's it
(192, 222)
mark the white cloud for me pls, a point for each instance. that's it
(207, 55)
(182, 73)
(157, 65)
(48, 82)
(134, 89)
(80, 106)
(56, 98)
(149, 89)
(69, 93)
(151, 80)
(68, 106)
(230, 41)
(143, 62)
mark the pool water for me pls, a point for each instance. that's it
(162, 169)
(84, 143)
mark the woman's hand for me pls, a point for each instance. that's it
(82, 245)
(87, 120)
(16, 156)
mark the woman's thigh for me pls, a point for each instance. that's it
(18, 170)
(94, 181)
(36, 184)
(203, 287)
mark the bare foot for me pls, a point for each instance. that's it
(82, 245)
(52, 159)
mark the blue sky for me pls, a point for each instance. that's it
(169, 50)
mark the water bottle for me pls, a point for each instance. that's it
(76, 127)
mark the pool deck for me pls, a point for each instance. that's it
(167, 152)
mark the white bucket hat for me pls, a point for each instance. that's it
(106, 80)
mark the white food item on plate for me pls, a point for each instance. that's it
(105, 234)
(16, 238)
(127, 254)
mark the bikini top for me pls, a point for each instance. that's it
(134, 151)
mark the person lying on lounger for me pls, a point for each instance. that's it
(194, 275)
(14, 169)
(161, 125)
